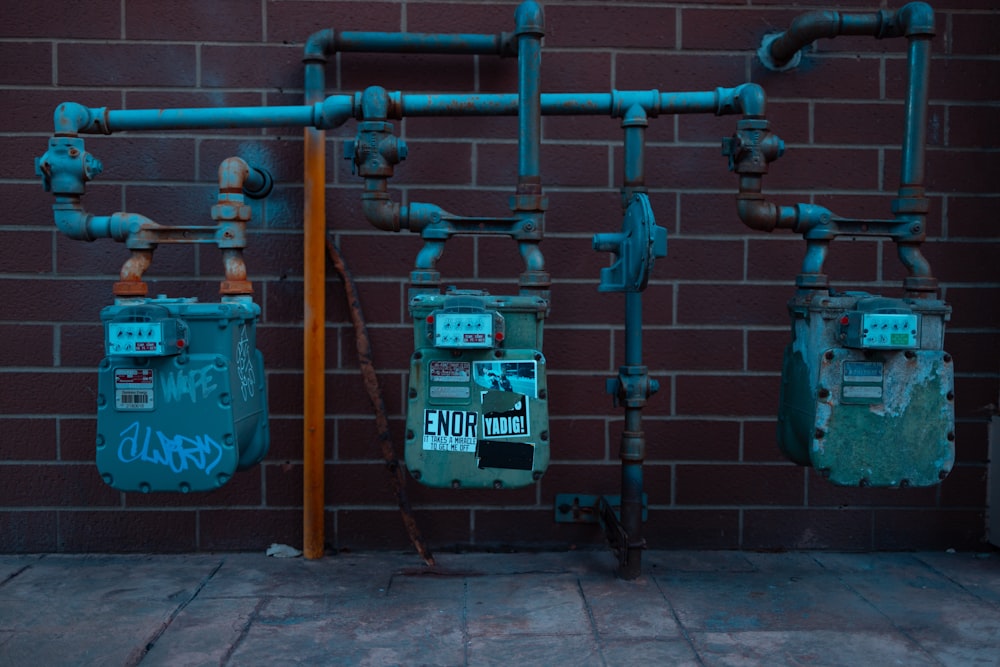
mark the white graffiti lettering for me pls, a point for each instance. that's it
(244, 365)
(178, 452)
(195, 383)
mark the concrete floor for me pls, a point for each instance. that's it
(687, 608)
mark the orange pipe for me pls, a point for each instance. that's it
(313, 349)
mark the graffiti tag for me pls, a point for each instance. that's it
(244, 365)
(177, 452)
(195, 383)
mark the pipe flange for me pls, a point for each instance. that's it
(764, 53)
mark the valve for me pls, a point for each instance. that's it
(637, 246)
(376, 151)
(66, 166)
(753, 147)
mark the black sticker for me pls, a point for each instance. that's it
(511, 455)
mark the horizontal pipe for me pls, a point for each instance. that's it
(72, 118)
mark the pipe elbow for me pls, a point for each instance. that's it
(757, 213)
(381, 212)
(319, 45)
(751, 99)
(916, 18)
(73, 118)
(529, 19)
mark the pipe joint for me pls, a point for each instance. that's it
(319, 45)
(72, 118)
(333, 112)
(529, 19)
(66, 166)
(376, 151)
(753, 147)
(915, 19)
(380, 211)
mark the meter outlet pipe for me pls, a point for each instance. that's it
(915, 22)
(319, 48)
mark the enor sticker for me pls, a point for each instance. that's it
(450, 430)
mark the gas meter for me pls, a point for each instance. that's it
(478, 402)
(181, 394)
(867, 393)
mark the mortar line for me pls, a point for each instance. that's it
(592, 620)
(677, 619)
(244, 631)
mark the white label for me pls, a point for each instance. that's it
(445, 391)
(450, 430)
(135, 338)
(133, 388)
(449, 371)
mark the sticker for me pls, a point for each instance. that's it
(505, 415)
(446, 391)
(515, 376)
(449, 371)
(501, 454)
(450, 430)
(133, 388)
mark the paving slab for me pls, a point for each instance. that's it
(687, 608)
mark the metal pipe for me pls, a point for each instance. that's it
(530, 28)
(318, 48)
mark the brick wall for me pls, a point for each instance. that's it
(716, 321)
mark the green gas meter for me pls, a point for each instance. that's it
(867, 394)
(181, 399)
(478, 413)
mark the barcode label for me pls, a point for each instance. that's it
(134, 399)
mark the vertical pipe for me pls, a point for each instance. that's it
(915, 127)
(314, 324)
(530, 27)
(633, 443)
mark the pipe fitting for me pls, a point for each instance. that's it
(915, 18)
(66, 166)
(72, 118)
(319, 45)
(380, 211)
(529, 19)
(333, 112)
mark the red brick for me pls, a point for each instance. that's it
(77, 439)
(55, 485)
(357, 438)
(578, 394)
(674, 71)
(583, 212)
(964, 262)
(728, 28)
(282, 157)
(950, 78)
(765, 349)
(29, 439)
(973, 127)
(925, 529)
(972, 395)
(822, 76)
(691, 440)
(739, 485)
(709, 214)
(286, 438)
(243, 489)
(821, 169)
(97, 20)
(247, 529)
(82, 345)
(967, 307)
(578, 438)
(732, 304)
(110, 64)
(692, 529)
(190, 20)
(701, 259)
(293, 22)
(972, 441)
(849, 530)
(693, 349)
(575, 72)
(970, 34)
(579, 349)
(824, 494)
(685, 167)
(244, 66)
(966, 486)
(383, 529)
(760, 441)
(141, 158)
(983, 347)
(25, 343)
(966, 172)
(477, 18)
(726, 395)
(391, 348)
(33, 393)
(587, 26)
(28, 531)
(459, 127)
(410, 73)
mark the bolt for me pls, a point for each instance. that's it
(824, 392)
(950, 396)
(915, 229)
(951, 437)
(497, 484)
(455, 484)
(528, 226)
(537, 475)
(829, 355)
(416, 474)
(409, 434)
(942, 474)
(947, 358)
(100, 440)
(819, 434)
(543, 436)
(144, 487)
(412, 393)
(909, 354)
(185, 487)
